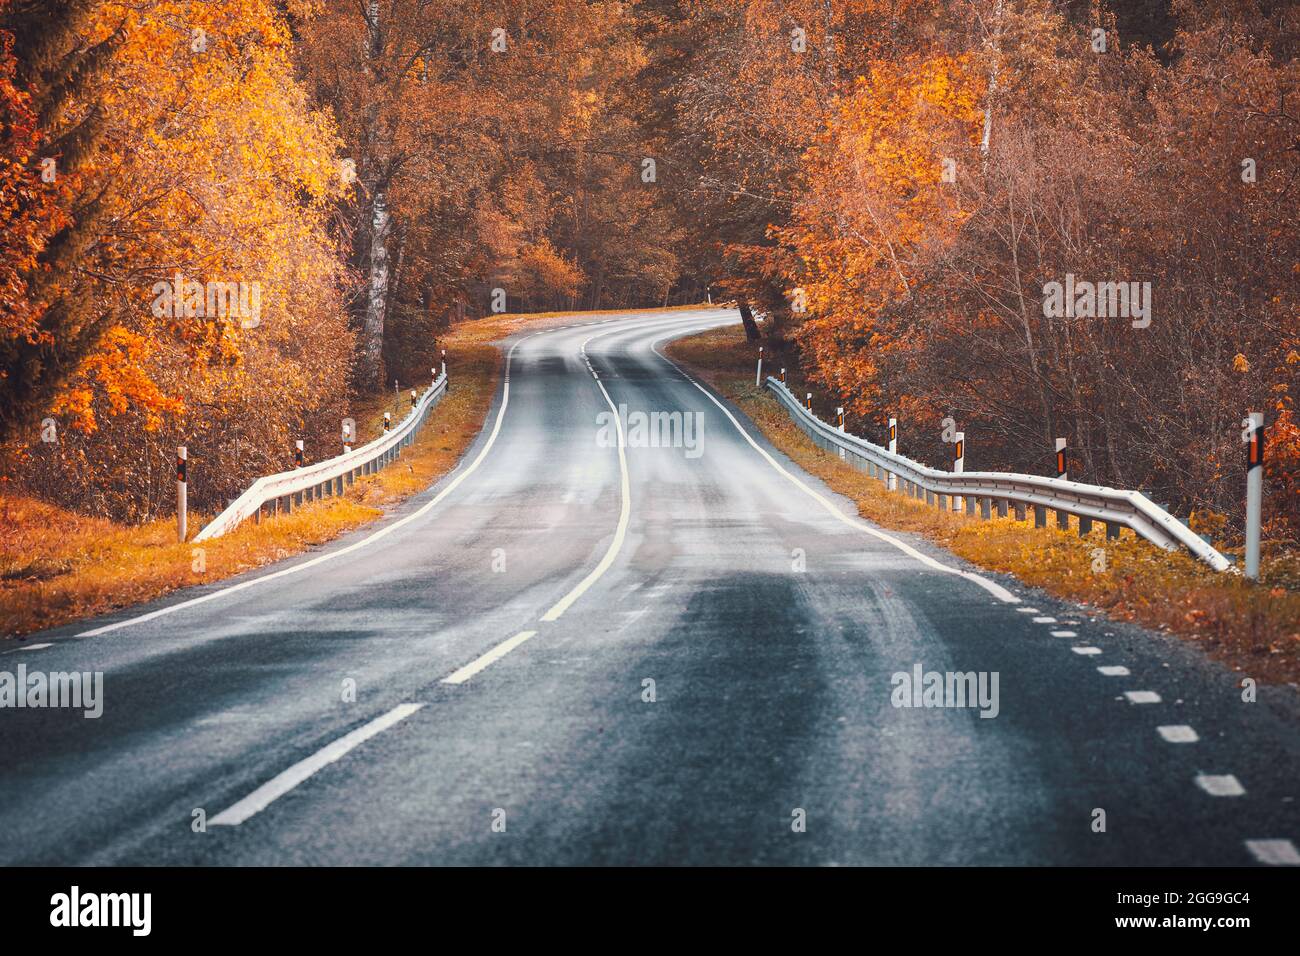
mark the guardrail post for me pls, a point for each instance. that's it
(929, 496)
(986, 508)
(1254, 436)
(1040, 516)
(1063, 519)
(758, 378)
(1112, 530)
(1019, 508)
(1002, 507)
(182, 494)
(893, 450)
(1085, 526)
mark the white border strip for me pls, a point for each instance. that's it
(997, 590)
(369, 539)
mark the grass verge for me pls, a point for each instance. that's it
(58, 566)
(1253, 628)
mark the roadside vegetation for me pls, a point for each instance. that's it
(57, 565)
(1253, 628)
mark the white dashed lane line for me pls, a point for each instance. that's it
(1267, 852)
(498, 652)
(1142, 696)
(1274, 852)
(278, 786)
(1220, 785)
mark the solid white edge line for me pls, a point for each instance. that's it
(282, 783)
(997, 590)
(369, 539)
(481, 662)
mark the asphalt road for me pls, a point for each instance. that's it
(501, 628)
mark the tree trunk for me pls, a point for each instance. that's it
(371, 373)
(995, 47)
(751, 327)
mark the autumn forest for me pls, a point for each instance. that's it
(222, 220)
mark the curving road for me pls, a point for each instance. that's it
(506, 630)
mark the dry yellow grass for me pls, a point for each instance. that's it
(1252, 628)
(57, 566)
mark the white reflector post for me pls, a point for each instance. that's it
(758, 379)
(893, 450)
(1254, 435)
(182, 495)
(958, 466)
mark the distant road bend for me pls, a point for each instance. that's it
(581, 648)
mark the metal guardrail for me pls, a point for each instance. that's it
(985, 490)
(328, 477)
